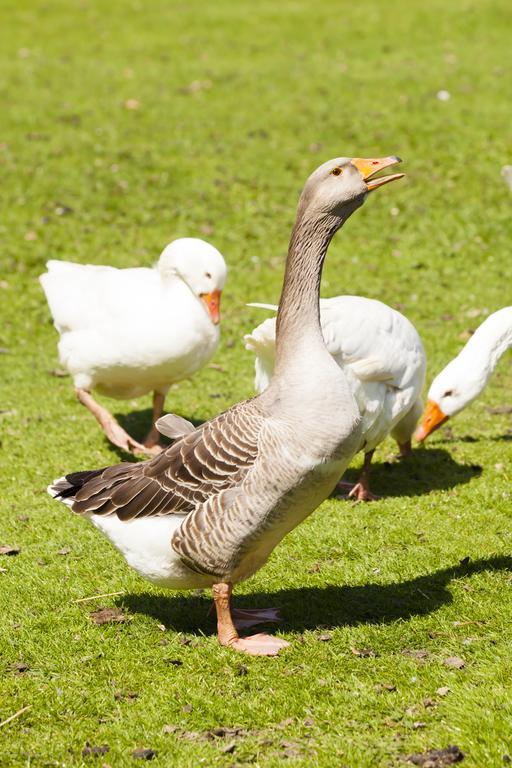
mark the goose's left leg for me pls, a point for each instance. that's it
(256, 645)
(361, 490)
(152, 439)
(112, 429)
(405, 449)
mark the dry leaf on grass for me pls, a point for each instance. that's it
(223, 731)
(506, 172)
(196, 86)
(99, 750)
(213, 734)
(6, 549)
(142, 753)
(63, 551)
(420, 653)
(20, 667)
(125, 695)
(455, 662)
(363, 652)
(379, 687)
(292, 749)
(108, 616)
(170, 728)
(499, 409)
(443, 690)
(437, 758)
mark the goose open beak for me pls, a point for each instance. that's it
(369, 166)
(212, 301)
(431, 420)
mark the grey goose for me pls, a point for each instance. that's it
(209, 510)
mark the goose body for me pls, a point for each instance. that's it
(235, 485)
(466, 376)
(381, 355)
(126, 332)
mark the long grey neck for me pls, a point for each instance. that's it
(298, 317)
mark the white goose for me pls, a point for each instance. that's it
(126, 332)
(467, 375)
(383, 359)
(209, 510)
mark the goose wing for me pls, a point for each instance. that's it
(376, 341)
(214, 457)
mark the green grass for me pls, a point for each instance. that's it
(284, 87)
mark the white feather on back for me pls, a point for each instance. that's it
(129, 331)
(379, 350)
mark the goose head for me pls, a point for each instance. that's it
(200, 266)
(452, 390)
(339, 186)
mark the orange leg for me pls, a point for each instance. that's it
(112, 429)
(257, 645)
(361, 490)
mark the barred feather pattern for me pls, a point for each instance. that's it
(192, 474)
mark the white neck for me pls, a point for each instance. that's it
(489, 342)
(466, 376)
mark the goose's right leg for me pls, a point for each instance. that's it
(152, 439)
(112, 429)
(256, 645)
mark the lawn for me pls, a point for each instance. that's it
(127, 124)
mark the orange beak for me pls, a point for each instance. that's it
(369, 166)
(212, 301)
(432, 419)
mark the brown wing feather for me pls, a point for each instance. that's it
(214, 457)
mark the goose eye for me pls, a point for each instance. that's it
(448, 393)
(208, 275)
(337, 171)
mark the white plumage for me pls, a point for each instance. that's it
(466, 376)
(126, 332)
(382, 357)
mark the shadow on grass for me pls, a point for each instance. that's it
(332, 605)
(425, 470)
